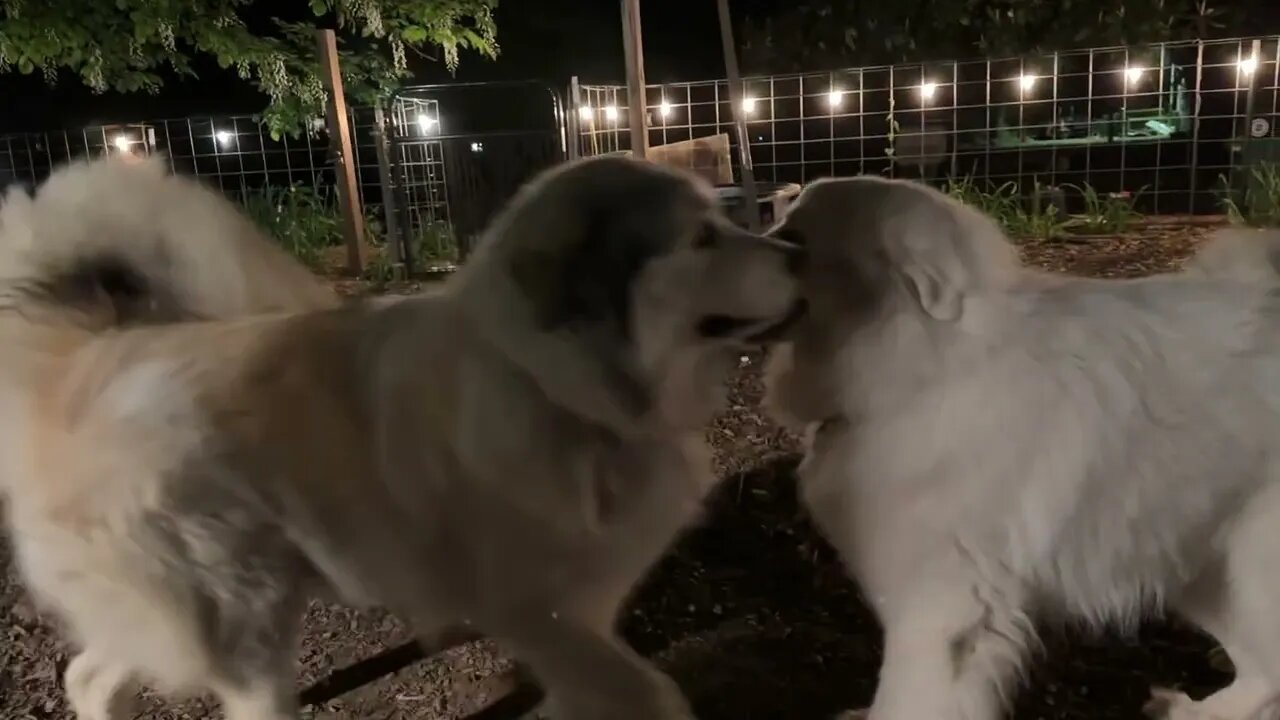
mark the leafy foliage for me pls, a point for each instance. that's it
(827, 34)
(132, 45)
(1105, 213)
(1258, 202)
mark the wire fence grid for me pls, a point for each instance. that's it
(234, 153)
(1173, 123)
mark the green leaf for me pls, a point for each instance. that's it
(121, 44)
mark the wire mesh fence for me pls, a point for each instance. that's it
(1174, 124)
(463, 150)
(233, 152)
(433, 177)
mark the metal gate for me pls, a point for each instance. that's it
(458, 153)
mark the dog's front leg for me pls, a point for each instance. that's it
(590, 674)
(950, 654)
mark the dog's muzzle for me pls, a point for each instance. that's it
(780, 328)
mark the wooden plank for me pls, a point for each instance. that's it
(340, 149)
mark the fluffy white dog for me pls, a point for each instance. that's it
(994, 443)
(508, 454)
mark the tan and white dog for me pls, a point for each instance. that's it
(995, 443)
(510, 453)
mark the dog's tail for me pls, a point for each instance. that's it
(121, 241)
(1241, 254)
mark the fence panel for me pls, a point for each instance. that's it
(1170, 123)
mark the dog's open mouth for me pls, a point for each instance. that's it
(749, 329)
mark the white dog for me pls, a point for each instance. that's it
(995, 442)
(508, 454)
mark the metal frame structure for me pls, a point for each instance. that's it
(1169, 120)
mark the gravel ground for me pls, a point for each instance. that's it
(750, 613)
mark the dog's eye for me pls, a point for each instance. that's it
(707, 236)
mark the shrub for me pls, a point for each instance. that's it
(1259, 203)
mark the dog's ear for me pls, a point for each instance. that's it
(921, 247)
(944, 251)
(583, 288)
(936, 294)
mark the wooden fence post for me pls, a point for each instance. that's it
(341, 151)
(633, 51)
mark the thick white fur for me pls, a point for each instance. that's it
(1246, 254)
(1036, 446)
(509, 454)
(203, 259)
(214, 260)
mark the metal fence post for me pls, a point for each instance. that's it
(1246, 134)
(390, 200)
(573, 119)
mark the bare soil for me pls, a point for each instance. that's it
(750, 612)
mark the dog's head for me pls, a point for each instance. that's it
(628, 281)
(878, 251)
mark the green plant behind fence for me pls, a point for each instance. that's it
(1258, 203)
(435, 245)
(1105, 212)
(1005, 204)
(304, 220)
